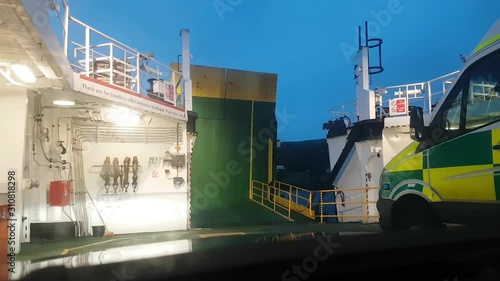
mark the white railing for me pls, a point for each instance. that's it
(424, 94)
(97, 55)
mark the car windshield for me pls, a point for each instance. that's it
(135, 130)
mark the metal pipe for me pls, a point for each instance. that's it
(68, 215)
(87, 51)
(82, 202)
(111, 64)
(34, 147)
(123, 129)
(171, 129)
(148, 132)
(101, 131)
(80, 205)
(142, 129)
(124, 141)
(133, 135)
(66, 28)
(138, 74)
(445, 76)
(429, 93)
(71, 118)
(420, 83)
(100, 33)
(128, 135)
(36, 162)
(69, 108)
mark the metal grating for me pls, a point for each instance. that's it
(30, 51)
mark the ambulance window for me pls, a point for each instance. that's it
(483, 102)
(452, 120)
(449, 117)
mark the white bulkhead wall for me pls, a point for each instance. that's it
(365, 98)
(13, 102)
(335, 147)
(157, 205)
(363, 170)
(394, 140)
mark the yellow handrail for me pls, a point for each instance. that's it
(263, 192)
(280, 197)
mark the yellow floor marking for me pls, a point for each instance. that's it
(221, 234)
(66, 251)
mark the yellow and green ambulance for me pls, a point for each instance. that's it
(450, 173)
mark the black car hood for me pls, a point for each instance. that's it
(329, 254)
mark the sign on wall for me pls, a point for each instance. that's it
(109, 92)
(398, 106)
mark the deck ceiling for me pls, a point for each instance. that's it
(21, 43)
(27, 36)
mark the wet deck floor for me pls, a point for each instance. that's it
(201, 239)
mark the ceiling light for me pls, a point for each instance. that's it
(123, 117)
(24, 73)
(64, 102)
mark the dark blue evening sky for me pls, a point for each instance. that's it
(301, 41)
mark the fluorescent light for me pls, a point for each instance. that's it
(123, 117)
(23, 72)
(64, 102)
